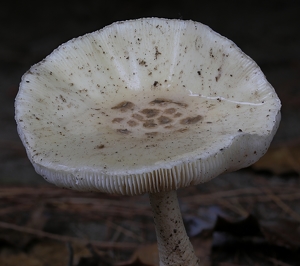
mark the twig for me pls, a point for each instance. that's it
(264, 198)
(66, 239)
(71, 254)
(14, 208)
(242, 194)
(125, 231)
(99, 258)
(277, 262)
(281, 204)
(233, 207)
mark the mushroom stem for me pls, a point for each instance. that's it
(174, 246)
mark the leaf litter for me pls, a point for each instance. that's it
(281, 159)
(230, 222)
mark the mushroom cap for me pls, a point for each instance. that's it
(145, 105)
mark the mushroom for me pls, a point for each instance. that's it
(146, 106)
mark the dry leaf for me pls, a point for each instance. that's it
(202, 246)
(9, 257)
(41, 253)
(56, 253)
(148, 255)
(37, 220)
(52, 252)
(136, 262)
(280, 160)
(144, 256)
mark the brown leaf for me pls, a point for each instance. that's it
(280, 160)
(136, 262)
(148, 255)
(143, 256)
(37, 220)
(10, 257)
(56, 253)
(202, 246)
(43, 252)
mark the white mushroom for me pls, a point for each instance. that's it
(146, 106)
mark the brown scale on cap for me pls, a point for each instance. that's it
(182, 130)
(170, 111)
(117, 120)
(149, 123)
(162, 102)
(150, 112)
(123, 131)
(124, 106)
(149, 118)
(138, 117)
(162, 120)
(190, 120)
(132, 123)
(178, 114)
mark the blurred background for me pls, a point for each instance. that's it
(267, 31)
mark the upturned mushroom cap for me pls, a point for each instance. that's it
(145, 105)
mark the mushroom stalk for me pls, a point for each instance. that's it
(174, 246)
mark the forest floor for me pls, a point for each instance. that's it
(250, 217)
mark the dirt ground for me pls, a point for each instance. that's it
(267, 201)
